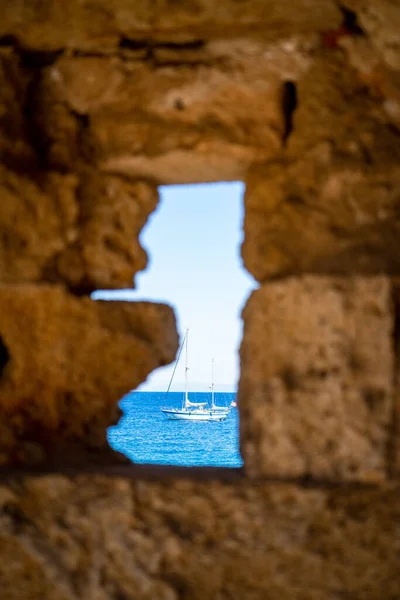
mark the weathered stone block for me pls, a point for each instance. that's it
(106, 538)
(106, 252)
(100, 24)
(380, 20)
(35, 224)
(15, 145)
(321, 217)
(82, 231)
(332, 206)
(65, 363)
(147, 118)
(316, 388)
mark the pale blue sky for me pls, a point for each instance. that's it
(193, 243)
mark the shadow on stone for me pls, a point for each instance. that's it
(4, 356)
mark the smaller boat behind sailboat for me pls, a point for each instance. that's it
(194, 411)
(214, 407)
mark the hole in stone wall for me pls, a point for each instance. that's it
(4, 356)
(194, 244)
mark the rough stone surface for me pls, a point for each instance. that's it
(99, 102)
(84, 233)
(60, 220)
(333, 208)
(109, 539)
(66, 363)
(101, 24)
(380, 22)
(316, 389)
(143, 108)
(215, 106)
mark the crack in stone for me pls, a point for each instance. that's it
(289, 105)
(4, 357)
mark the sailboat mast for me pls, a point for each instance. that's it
(186, 368)
(212, 383)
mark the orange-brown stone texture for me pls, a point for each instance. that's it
(100, 102)
(108, 539)
(86, 355)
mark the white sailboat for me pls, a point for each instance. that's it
(193, 411)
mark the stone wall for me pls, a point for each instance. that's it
(100, 102)
(111, 539)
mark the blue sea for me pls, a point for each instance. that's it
(145, 435)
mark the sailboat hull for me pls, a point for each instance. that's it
(194, 415)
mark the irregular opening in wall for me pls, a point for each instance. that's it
(193, 240)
